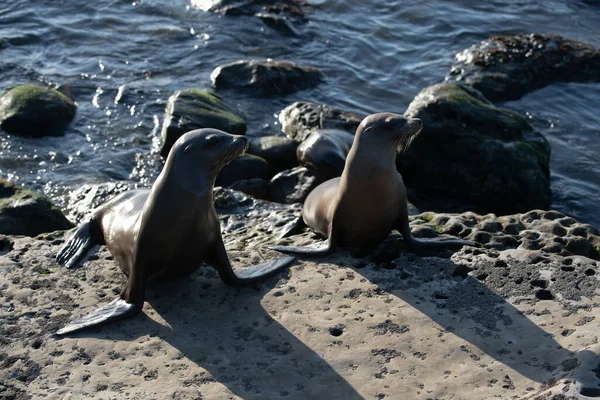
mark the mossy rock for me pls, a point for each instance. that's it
(36, 111)
(191, 109)
(25, 212)
(473, 150)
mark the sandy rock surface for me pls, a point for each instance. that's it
(507, 320)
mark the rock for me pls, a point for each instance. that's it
(279, 23)
(470, 149)
(292, 186)
(255, 187)
(265, 76)
(325, 151)
(35, 111)
(505, 67)
(298, 120)
(482, 323)
(280, 152)
(85, 199)
(25, 212)
(191, 109)
(277, 14)
(243, 167)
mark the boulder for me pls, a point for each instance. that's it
(255, 187)
(299, 119)
(36, 111)
(241, 168)
(25, 212)
(324, 151)
(292, 186)
(280, 15)
(265, 76)
(468, 148)
(280, 152)
(505, 67)
(190, 109)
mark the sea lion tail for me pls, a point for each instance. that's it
(76, 246)
(113, 311)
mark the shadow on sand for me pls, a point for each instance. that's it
(464, 306)
(228, 332)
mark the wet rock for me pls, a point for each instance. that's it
(505, 67)
(280, 15)
(25, 212)
(241, 168)
(255, 187)
(279, 151)
(279, 23)
(265, 76)
(325, 151)
(191, 109)
(292, 186)
(470, 149)
(35, 111)
(84, 200)
(298, 120)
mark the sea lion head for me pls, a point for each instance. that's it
(390, 130)
(202, 153)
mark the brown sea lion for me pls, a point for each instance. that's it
(361, 208)
(167, 231)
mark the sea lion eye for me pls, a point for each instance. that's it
(212, 141)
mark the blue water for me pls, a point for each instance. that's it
(123, 59)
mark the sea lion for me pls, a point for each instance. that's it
(325, 152)
(361, 208)
(167, 231)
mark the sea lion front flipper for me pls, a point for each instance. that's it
(76, 246)
(249, 274)
(404, 228)
(113, 311)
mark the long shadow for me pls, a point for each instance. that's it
(466, 307)
(228, 332)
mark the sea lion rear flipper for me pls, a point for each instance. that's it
(404, 228)
(113, 311)
(315, 249)
(291, 228)
(76, 246)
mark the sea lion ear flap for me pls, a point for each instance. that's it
(187, 148)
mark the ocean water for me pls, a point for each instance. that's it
(121, 60)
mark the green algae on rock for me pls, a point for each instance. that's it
(471, 149)
(37, 111)
(25, 212)
(190, 109)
